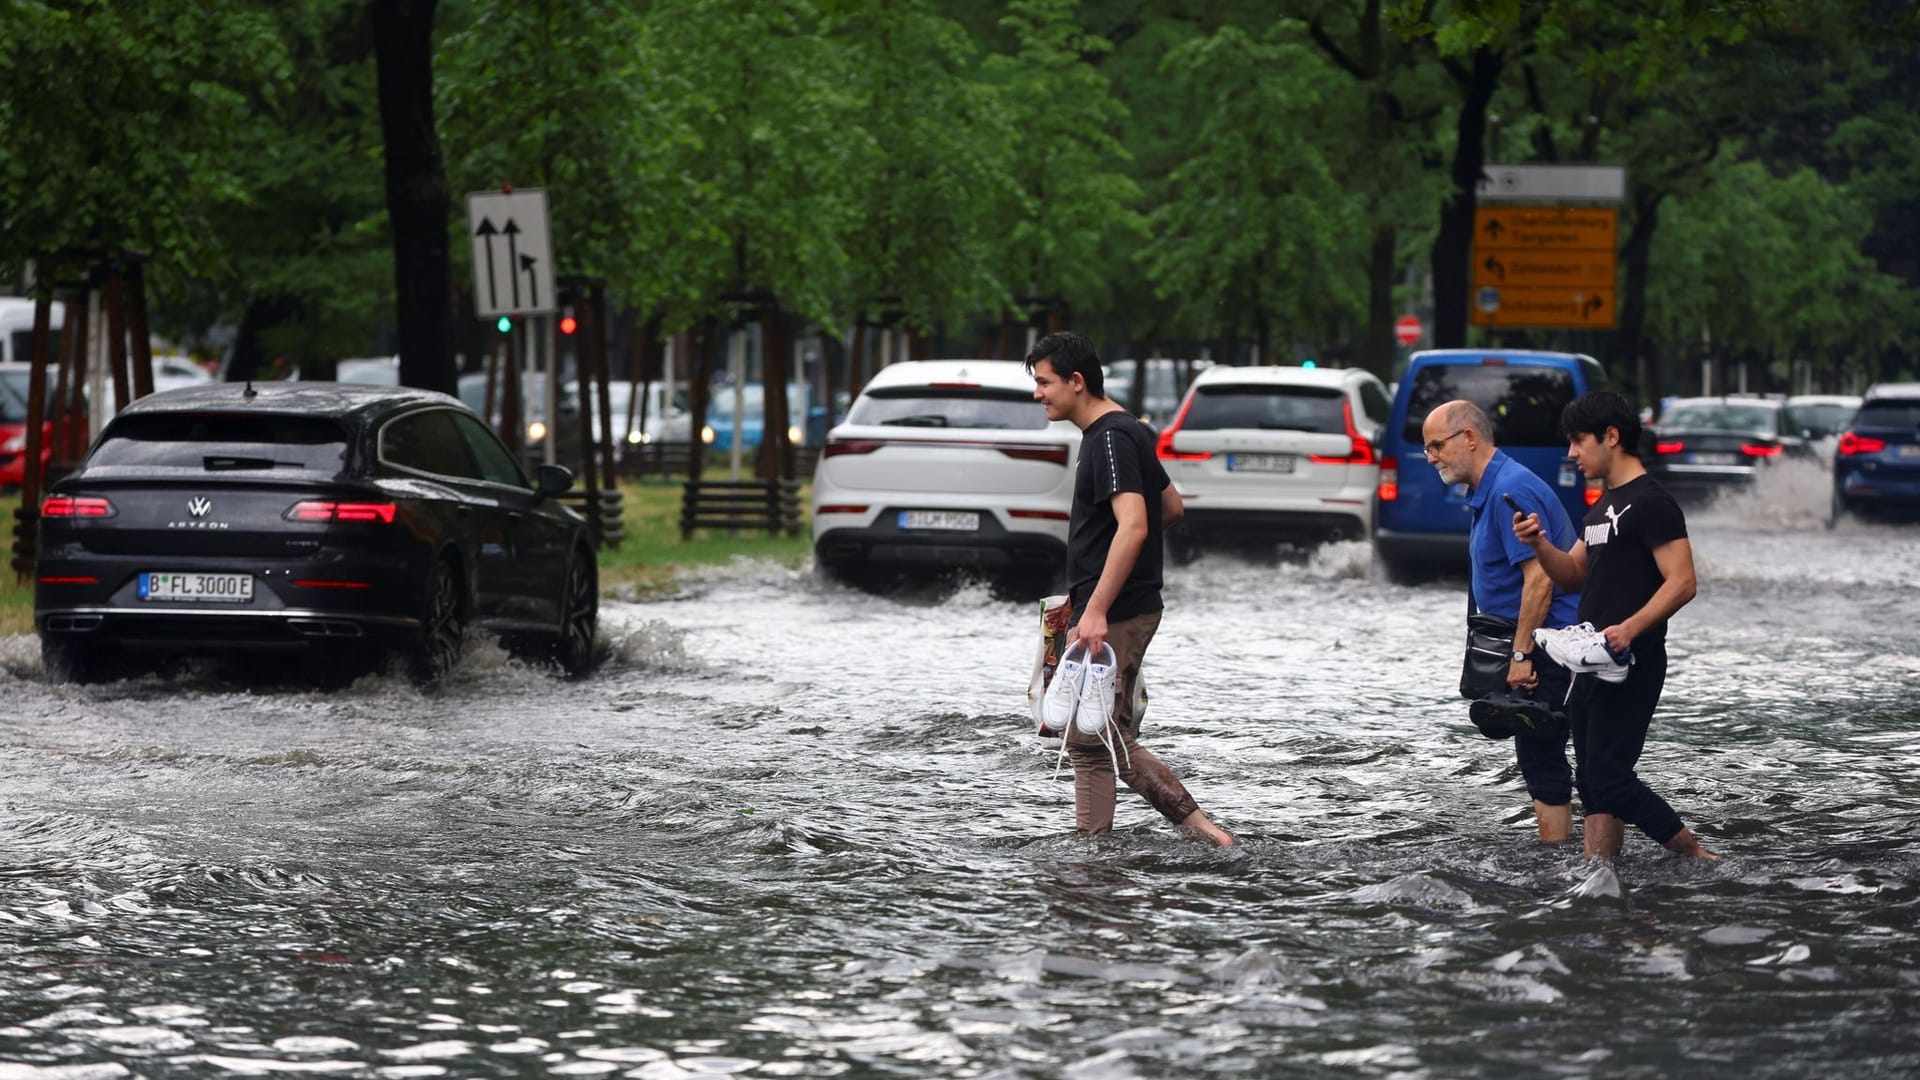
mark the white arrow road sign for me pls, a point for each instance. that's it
(512, 257)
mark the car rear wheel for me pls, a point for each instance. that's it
(443, 626)
(580, 616)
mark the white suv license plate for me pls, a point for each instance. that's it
(1274, 463)
(1709, 457)
(954, 520)
(197, 588)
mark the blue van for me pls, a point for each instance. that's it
(1420, 524)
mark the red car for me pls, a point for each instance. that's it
(13, 425)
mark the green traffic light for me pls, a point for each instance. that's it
(1308, 364)
(505, 324)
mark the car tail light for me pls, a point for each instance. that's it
(1361, 451)
(1673, 446)
(836, 447)
(1056, 454)
(1041, 515)
(70, 580)
(341, 511)
(1163, 447)
(1851, 444)
(1760, 449)
(1595, 489)
(1389, 481)
(841, 508)
(68, 506)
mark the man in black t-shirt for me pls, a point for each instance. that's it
(1633, 566)
(1122, 501)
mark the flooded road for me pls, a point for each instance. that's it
(791, 829)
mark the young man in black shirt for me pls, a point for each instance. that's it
(1122, 500)
(1633, 566)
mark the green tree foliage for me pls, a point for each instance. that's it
(1255, 224)
(933, 162)
(1074, 193)
(121, 127)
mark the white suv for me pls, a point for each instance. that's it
(944, 465)
(1269, 454)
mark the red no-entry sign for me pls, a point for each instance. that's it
(1407, 330)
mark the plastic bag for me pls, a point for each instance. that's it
(1055, 613)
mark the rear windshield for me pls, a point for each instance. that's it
(1820, 419)
(1721, 416)
(1269, 408)
(223, 443)
(1889, 413)
(959, 407)
(1523, 401)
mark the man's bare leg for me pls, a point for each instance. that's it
(1556, 822)
(1199, 822)
(1603, 835)
(1688, 844)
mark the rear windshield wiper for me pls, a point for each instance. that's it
(224, 462)
(919, 420)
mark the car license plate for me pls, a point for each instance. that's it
(1274, 463)
(1710, 458)
(957, 520)
(1907, 451)
(217, 588)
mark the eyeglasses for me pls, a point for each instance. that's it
(1437, 445)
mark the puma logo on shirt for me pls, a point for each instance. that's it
(1599, 533)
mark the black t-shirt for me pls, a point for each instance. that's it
(1621, 531)
(1116, 455)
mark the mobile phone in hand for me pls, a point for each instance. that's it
(1509, 499)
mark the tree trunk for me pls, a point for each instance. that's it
(1378, 344)
(1453, 247)
(1630, 344)
(417, 201)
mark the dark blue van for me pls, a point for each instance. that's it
(1420, 524)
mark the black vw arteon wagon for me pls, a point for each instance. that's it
(343, 524)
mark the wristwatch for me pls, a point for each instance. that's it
(1520, 657)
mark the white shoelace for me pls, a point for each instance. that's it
(1106, 727)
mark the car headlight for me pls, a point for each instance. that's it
(15, 445)
(796, 436)
(635, 438)
(706, 434)
(536, 431)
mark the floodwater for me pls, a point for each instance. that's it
(791, 829)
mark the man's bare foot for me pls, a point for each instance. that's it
(1200, 823)
(1688, 844)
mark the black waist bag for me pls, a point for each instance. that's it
(1489, 652)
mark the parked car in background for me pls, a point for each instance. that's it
(1420, 523)
(1275, 454)
(806, 422)
(1820, 418)
(668, 418)
(14, 395)
(1700, 447)
(1876, 464)
(325, 521)
(1167, 382)
(945, 465)
(16, 328)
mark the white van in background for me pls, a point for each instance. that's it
(16, 328)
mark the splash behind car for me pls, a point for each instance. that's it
(1701, 447)
(327, 521)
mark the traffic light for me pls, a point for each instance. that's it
(505, 325)
(568, 324)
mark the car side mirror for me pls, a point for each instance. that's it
(552, 479)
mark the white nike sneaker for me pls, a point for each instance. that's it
(1096, 692)
(1583, 650)
(1063, 693)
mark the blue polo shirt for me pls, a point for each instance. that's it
(1496, 556)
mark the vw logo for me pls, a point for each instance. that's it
(199, 505)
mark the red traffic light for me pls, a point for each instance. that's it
(568, 324)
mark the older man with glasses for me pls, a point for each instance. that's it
(1506, 579)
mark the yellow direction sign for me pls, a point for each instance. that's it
(1540, 267)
